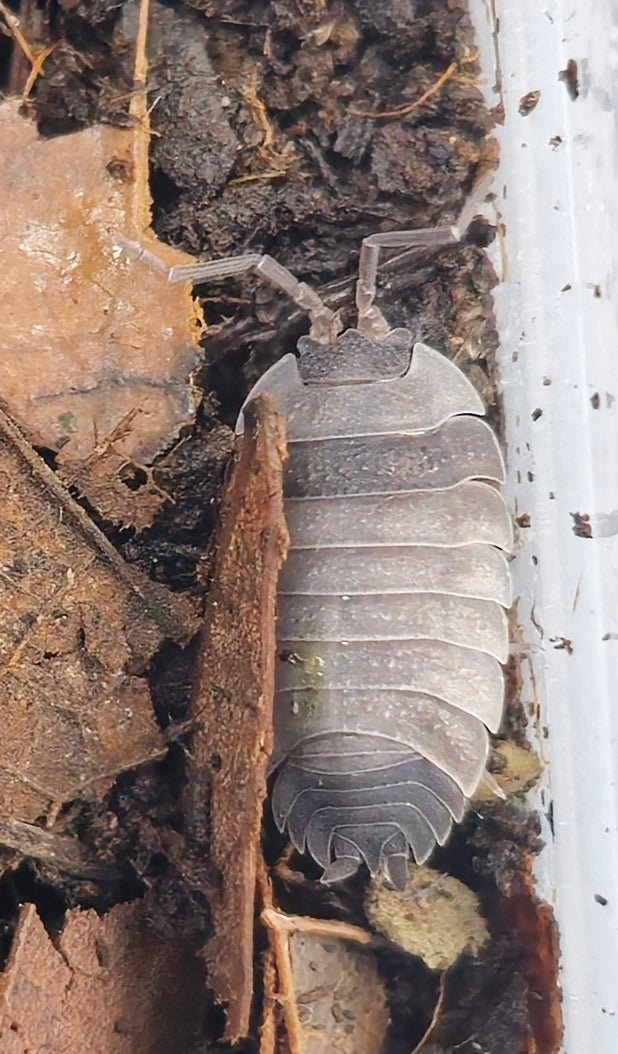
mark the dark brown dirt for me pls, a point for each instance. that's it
(263, 144)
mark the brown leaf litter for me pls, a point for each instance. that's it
(105, 985)
(98, 350)
(78, 630)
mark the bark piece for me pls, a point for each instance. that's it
(78, 628)
(234, 699)
(64, 854)
(104, 986)
(97, 348)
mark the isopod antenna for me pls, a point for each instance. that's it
(325, 323)
(371, 322)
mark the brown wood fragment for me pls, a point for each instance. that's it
(78, 628)
(106, 985)
(64, 854)
(233, 700)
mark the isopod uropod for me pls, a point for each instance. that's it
(392, 622)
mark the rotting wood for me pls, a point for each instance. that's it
(233, 703)
(65, 854)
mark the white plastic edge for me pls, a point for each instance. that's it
(557, 308)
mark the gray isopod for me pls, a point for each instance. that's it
(392, 625)
(391, 606)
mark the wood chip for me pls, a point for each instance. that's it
(234, 699)
(329, 986)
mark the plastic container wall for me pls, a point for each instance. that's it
(557, 308)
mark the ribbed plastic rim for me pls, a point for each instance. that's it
(557, 310)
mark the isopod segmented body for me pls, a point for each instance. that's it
(391, 606)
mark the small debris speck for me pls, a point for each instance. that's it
(595, 401)
(582, 528)
(570, 78)
(536, 414)
(601, 899)
(528, 102)
(562, 644)
(523, 520)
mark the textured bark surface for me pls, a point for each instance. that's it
(233, 707)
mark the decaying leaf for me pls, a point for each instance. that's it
(233, 702)
(435, 917)
(329, 986)
(97, 350)
(105, 985)
(78, 628)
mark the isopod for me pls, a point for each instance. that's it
(391, 606)
(392, 626)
